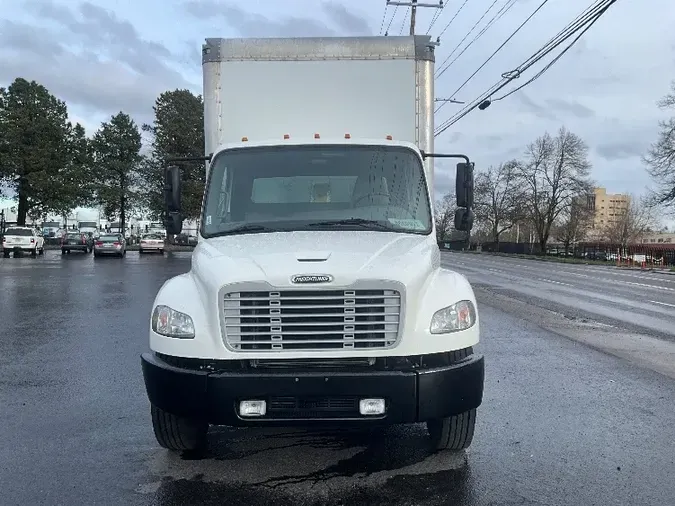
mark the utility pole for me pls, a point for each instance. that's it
(413, 13)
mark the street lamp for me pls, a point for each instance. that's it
(485, 104)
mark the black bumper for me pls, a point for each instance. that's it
(314, 396)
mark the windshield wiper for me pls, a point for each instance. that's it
(244, 229)
(359, 222)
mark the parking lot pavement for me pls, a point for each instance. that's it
(561, 423)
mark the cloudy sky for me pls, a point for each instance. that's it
(105, 56)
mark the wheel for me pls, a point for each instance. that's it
(176, 433)
(63, 252)
(95, 255)
(140, 251)
(34, 253)
(161, 252)
(5, 253)
(452, 433)
(41, 251)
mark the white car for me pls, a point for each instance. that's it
(151, 242)
(24, 239)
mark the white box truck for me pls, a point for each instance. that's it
(316, 292)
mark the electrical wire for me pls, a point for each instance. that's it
(405, 18)
(391, 20)
(384, 16)
(505, 8)
(437, 15)
(589, 19)
(453, 18)
(549, 65)
(507, 77)
(581, 19)
(495, 53)
(467, 35)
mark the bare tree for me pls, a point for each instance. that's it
(660, 159)
(575, 221)
(554, 172)
(498, 198)
(444, 215)
(630, 224)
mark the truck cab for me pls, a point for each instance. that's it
(316, 292)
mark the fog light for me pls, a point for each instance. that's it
(369, 407)
(252, 408)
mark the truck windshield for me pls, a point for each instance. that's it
(316, 188)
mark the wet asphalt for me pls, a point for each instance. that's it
(561, 423)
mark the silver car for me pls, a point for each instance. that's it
(110, 244)
(151, 242)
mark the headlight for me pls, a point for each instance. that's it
(453, 318)
(171, 323)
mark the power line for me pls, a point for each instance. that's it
(453, 18)
(589, 18)
(550, 64)
(384, 16)
(437, 15)
(405, 18)
(505, 8)
(507, 77)
(467, 34)
(391, 20)
(496, 51)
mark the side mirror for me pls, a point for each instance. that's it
(172, 189)
(173, 222)
(464, 185)
(463, 219)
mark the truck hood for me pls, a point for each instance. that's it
(345, 255)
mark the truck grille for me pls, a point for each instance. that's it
(311, 319)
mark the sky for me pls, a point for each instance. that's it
(103, 56)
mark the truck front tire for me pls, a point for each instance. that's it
(453, 433)
(179, 434)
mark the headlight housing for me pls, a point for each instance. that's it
(171, 323)
(459, 316)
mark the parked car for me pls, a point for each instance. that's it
(75, 241)
(110, 244)
(151, 242)
(22, 239)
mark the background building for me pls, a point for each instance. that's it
(608, 210)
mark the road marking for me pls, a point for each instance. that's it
(553, 281)
(662, 303)
(656, 287)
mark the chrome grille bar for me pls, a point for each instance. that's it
(311, 319)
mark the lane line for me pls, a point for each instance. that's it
(662, 303)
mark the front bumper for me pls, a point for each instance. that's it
(301, 396)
